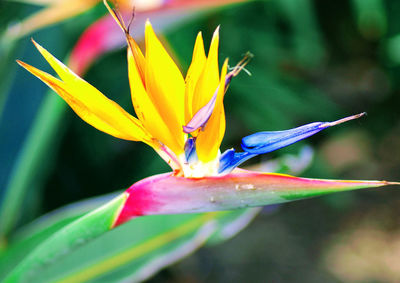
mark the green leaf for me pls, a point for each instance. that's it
(7, 54)
(67, 239)
(28, 237)
(83, 252)
(30, 160)
(135, 250)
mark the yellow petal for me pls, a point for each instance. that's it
(209, 78)
(92, 106)
(62, 71)
(138, 55)
(209, 140)
(193, 74)
(58, 11)
(165, 85)
(145, 109)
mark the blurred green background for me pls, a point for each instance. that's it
(313, 61)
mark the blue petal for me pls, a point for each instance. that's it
(230, 159)
(190, 150)
(264, 142)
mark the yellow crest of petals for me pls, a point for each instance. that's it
(193, 75)
(166, 87)
(89, 103)
(209, 140)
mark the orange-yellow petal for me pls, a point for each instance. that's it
(166, 87)
(66, 74)
(145, 109)
(209, 140)
(193, 75)
(92, 106)
(209, 78)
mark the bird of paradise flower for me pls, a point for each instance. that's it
(99, 38)
(183, 120)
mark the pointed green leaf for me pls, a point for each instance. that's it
(67, 239)
(135, 250)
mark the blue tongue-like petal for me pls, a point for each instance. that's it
(230, 159)
(264, 142)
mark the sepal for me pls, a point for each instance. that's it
(170, 194)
